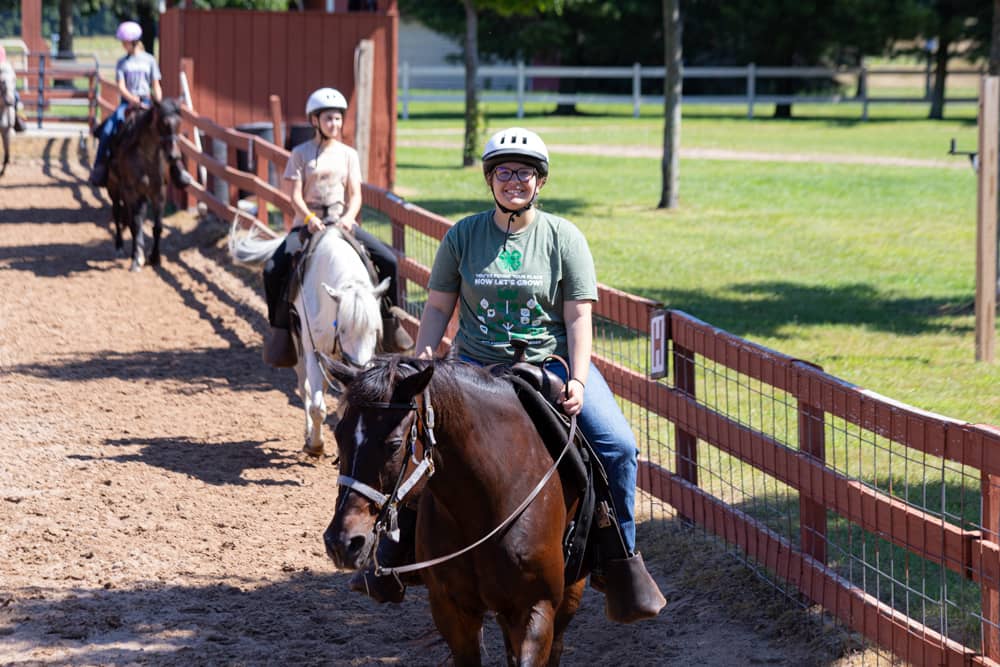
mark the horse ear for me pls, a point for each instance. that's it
(382, 288)
(334, 293)
(414, 384)
(342, 372)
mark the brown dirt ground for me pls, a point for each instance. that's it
(155, 508)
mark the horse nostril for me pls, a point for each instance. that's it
(356, 548)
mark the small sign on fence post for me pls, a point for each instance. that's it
(658, 344)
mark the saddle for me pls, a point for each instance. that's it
(592, 536)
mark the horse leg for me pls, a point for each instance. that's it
(314, 400)
(530, 633)
(572, 596)
(462, 630)
(138, 244)
(5, 135)
(154, 256)
(118, 213)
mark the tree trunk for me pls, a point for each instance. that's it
(146, 17)
(567, 86)
(471, 98)
(995, 40)
(672, 85)
(65, 29)
(940, 75)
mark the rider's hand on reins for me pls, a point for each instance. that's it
(315, 223)
(347, 224)
(572, 397)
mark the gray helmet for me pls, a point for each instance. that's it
(516, 144)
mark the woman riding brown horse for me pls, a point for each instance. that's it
(491, 516)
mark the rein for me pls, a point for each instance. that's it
(301, 270)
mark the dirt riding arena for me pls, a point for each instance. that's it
(155, 508)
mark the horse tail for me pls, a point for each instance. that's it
(250, 249)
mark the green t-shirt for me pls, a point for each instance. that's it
(515, 291)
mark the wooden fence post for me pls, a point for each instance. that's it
(991, 589)
(364, 64)
(187, 80)
(812, 514)
(986, 217)
(274, 103)
(685, 443)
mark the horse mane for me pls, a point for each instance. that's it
(355, 310)
(133, 128)
(452, 377)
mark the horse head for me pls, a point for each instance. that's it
(372, 438)
(358, 321)
(167, 120)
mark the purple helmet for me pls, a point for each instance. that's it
(129, 31)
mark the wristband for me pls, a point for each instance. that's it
(310, 217)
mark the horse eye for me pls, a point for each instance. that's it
(394, 443)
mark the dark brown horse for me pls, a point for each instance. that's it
(142, 153)
(487, 460)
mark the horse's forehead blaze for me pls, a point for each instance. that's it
(359, 433)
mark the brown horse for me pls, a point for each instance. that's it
(487, 460)
(142, 153)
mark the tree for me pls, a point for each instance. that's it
(672, 85)
(472, 10)
(65, 29)
(783, 33)
(995, 40)
(962, 28)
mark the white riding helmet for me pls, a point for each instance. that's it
(325, 98)
(129, 31)
(517, 144)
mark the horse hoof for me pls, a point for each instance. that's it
(136, 267)
(318, 452)
(154, 260)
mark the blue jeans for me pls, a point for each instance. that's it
(109, 127)
(609, 433)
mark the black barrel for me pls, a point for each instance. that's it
(264, 130)
(298, 134)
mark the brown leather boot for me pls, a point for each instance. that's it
(279, 349)
(630, 594)
(394, 335)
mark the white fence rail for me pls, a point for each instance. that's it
(516, 83)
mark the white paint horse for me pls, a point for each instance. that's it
(338, 313)
(8, 110)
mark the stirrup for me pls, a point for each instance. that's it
(395, 338)
(279, 349)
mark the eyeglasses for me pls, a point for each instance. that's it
(524, 174)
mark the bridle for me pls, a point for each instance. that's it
(386, 523)
(168, 139)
